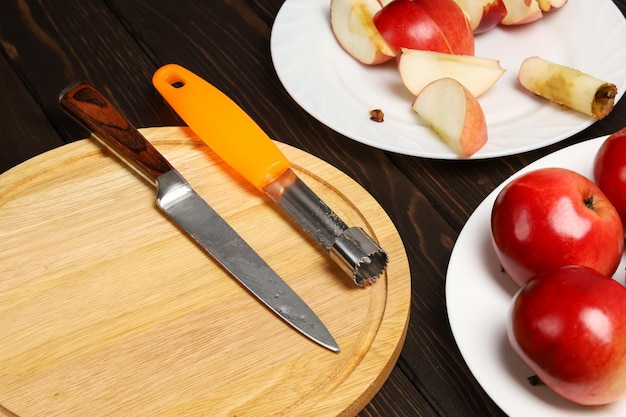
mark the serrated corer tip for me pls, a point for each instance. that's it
(359, 256)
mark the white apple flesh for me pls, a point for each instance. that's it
(568, 87)
(550, 5)
(352, 24)
(473, 10)
(454, 114)
(419, 68)
(520, 12)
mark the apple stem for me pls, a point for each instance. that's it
(589, 202)
(535, 381)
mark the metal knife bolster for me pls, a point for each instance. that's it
(350, 247)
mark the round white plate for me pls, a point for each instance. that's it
(478, 297)
(334, 88)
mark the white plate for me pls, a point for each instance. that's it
(340, 92)
(478, 297)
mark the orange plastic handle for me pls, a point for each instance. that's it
(221, 124)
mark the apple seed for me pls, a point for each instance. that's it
(377, 115)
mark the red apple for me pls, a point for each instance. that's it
(553, 217)
(609, 170)
(434, 25)
(493, 13)
(567, 325)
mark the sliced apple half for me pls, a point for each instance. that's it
(454, 114)
(419, 68)
(519, 12)
(353, 26)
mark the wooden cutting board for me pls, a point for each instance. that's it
(107, 309)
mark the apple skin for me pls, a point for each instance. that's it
(568, 325)
(433, 25)
(493, 13)
(553, 217)
(609, 170)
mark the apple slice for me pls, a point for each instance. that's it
(454, 114)
(519, 12)
(473, 10)
(483, 15)
(493, 13)
(353, 26)
(419, 68)
(557, 4)
(550, 5)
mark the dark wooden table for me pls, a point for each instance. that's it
(118, 44)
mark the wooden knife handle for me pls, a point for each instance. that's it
(96, 113)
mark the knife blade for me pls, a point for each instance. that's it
(178, 201)
(211, 115)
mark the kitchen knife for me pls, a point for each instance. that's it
(241, 143)
(187, 209)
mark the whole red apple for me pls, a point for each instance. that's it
(433, 25)
(609, 170)
(569, 326)
(553, 217)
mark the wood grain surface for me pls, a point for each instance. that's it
(118, 44)
(109, 309)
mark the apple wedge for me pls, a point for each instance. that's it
(550, 5)
(419, 68)
(454, 114)
(473, 10)
(483, 15)
(519, 12)
(353, 26)
(493, 13)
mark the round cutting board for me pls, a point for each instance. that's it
(106, 308)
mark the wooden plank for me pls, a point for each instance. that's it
(24, 129)
(54, 44)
